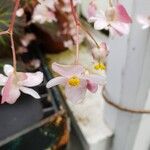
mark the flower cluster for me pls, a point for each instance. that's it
(114, 18)
(58, 11)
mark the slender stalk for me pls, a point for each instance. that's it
(13, 17)
(11, 30)
(77, 45)
(77, 31)
(79, 24)
(110, 3)
(13, 52)
(89, 34)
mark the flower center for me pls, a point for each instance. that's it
(74, 81)
(100, 66)
(110, 14)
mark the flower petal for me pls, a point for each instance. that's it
(97, 79)
(8, 69)
(33, 79)
(92, 8)
(76, 94)
(3, 80)
(10, 92)
(56, 81)
(122, 14)
(30, 91)
(92, 87)
(121, 28)
(68, 70)
(100, 24)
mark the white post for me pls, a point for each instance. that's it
(129, 83)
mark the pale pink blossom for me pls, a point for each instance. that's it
(16, 82)
(100, 53)
(92, 9)
(20, 12)
(42, 14)
(75, 80)
(115, 19)
(144, 21)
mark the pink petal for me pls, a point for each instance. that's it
(92, 87)
(3, 80)
(56, 81)
(121, 28)
(76, 94)
(68, 70)
(114, 32)
(100, 24)
(92, 8)
(31, 92)
(97, 79)
(8, 69)
(122, 14)
(33, 79)
(10, 91)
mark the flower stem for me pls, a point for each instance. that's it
(10, 32)
(13, 52)
(79, 24)
(110, 3)
(77, 45)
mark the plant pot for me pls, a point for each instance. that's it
(19, 116)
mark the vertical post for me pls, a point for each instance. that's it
(129, 83)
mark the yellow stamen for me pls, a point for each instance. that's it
(100, 66)
(74, 81)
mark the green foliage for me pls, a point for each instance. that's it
(6, 9)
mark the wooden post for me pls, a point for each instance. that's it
(129, 83)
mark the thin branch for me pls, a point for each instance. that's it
(4, 32)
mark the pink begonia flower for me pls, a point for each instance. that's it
(14, 82)
(144, 21)
(92, 9)
(75, 80)
(100, 53)
(99, 59)
(115, 19)
(42, 14)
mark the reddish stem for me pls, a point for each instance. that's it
(13, 17)
(11, 30)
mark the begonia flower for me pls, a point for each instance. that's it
(98, 65)
(75, 80)
(115, 19)
(16, 82)
(144, 21)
